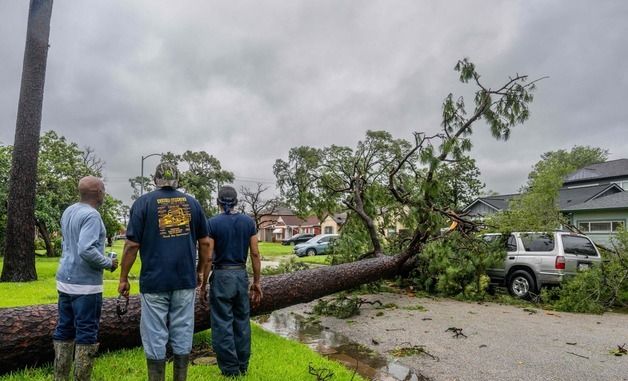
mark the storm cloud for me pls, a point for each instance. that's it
(246, 81)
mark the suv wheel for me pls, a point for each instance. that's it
(310, 252)
(521, 284)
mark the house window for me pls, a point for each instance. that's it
(329, 230)
(600, 226)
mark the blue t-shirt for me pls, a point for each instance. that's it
(166, 223)
(232, 234)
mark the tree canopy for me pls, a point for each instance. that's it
(418, 182)
(60, 166)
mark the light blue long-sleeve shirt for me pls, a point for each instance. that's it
(83, 258)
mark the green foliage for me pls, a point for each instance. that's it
(460, 182)
(111, 213)
(342, 307)
(597, 289)
(352, 243)
(284, 267)
(457, 266)
(60, 166)
(385, 181)
(537, 208)
(201, 179)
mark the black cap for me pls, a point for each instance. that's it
(227, 195)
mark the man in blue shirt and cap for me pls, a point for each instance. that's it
(231, 236)
(166, 225)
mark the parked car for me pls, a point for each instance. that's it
(297, 238)
(534, 260)
(317, 245)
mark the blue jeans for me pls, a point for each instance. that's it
(79, 317)
(167, 317)
(231, 328)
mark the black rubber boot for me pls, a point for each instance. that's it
(64, 354)
(156, 370)
(180, 367)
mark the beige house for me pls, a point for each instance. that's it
(332, 223)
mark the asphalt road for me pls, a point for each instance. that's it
(502, 342)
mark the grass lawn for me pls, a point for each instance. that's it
(274, 249)
(44, 289)
(273, 358)
(316, 259)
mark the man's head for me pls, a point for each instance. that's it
(227, 197)
(166, 175)
(92, 191)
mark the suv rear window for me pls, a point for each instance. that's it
(537, 242)
(578, 245)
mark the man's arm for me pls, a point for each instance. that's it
(205, 247)
(129, 254)
(256, 261)
(88, 243)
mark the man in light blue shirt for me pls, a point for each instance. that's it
(80, 282)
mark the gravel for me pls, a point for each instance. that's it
(502, 342)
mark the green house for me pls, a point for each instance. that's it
(594, 198)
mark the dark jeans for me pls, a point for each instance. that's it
(231, 329)
(79, 316)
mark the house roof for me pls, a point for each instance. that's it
(498, 202)
(296, 221)
(615, 201)
(566, 196)
(598, 171)
(573, 196)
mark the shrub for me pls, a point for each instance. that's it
(600, 288)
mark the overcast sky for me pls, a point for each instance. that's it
(248, 80)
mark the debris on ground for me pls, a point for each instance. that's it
(457, 332)
(414, 350)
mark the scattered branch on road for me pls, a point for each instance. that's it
(457, 332)
(412, 351)
(621, 350)
(575, 354)
(342, 307)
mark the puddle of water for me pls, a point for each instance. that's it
(370, 364)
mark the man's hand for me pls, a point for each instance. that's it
(114, 265)
(255, 294)
(124, 287)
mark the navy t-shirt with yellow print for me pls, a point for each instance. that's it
(166, 223)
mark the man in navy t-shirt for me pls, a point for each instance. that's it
(231, 236)
(165, 226)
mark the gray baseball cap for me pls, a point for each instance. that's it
(167, 175)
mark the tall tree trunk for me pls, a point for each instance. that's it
(45, 235)
(19, 259)
(26, 332)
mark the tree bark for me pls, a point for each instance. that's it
(19, 260)
(26, 332)
(45, 235)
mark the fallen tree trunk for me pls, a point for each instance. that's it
(26, 332)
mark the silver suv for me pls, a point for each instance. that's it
(534, 260)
